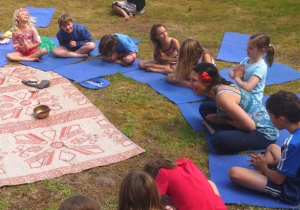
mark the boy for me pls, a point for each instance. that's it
(74, 39)
(79, 202)
(278, 171)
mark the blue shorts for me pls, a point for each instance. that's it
(274, 190)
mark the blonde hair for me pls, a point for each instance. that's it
(64, 19)
(189, 54)
(15, 28)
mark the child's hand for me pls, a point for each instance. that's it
(239, 71)
(72, 43)
(163, 56)
(260, 162)
(252, 159)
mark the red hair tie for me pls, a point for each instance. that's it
(205, 77)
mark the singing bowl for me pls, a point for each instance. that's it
(41, 111)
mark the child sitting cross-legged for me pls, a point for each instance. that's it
(278, 171)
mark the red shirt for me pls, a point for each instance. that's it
(188, 188)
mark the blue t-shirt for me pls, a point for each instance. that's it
(80, 34)
(258, 69)
(289, 165)
(125, 44)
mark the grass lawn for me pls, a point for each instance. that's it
(147, 118)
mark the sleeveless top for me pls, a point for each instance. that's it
(255, 110)
(170, 52)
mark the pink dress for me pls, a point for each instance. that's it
(30, 36)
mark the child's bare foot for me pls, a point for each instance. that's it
(151, 69)
(210, 129)
(129, 16)
(83, 55)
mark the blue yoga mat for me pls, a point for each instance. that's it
(190, 112)
(95, 52)
(4, 49)
(91, 69)
(175, 93)
(43, 15)
(233, 47)
(277, 74)
(143, 76)
(49, 62)
(219, 166)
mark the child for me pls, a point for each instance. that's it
(185, 184)
(165, 51)
(190, 54)
(284, 182)
(79, 202)
(118, 48)
(139, 191)
(25, 38)
(252, 71)
(74, 39)
(129, 8)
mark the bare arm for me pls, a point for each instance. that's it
(260, 163)
(240, 119)
(207, 58)
(248, 86)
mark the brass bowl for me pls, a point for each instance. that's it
(41, 111)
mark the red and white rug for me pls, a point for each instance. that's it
(75, 136)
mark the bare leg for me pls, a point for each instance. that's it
(214, 186)
(273, 155)
(64, 53)
(172, 80)
(251, 179)
(121, 12)
(16, 56)
(163, 69)
(86, 48)
(39, 53)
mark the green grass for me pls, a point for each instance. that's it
(148, 118)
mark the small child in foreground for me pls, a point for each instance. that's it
(118, 48)
(284, 181)
(79, 202)
(74, 39)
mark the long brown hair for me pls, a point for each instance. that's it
(138, 191)
(156, 43)
(189, 53)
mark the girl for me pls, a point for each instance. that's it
(118, 48)
(185, 184)
(236, 120)
(25, 38)
(190, 54)
(165, 51)
(138, 191)
(252, 71)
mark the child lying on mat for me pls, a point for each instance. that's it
(74, 39)
(118, 48)
(184, 184)
(252, 72)
(278, 171)
(25, 38)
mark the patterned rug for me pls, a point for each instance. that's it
(75, 136)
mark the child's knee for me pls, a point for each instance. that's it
(91, 45)
(234, 173)
(272, 148)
